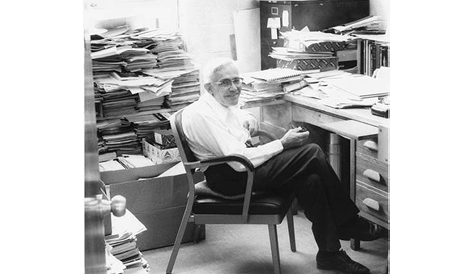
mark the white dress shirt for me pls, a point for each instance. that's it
(214, 130)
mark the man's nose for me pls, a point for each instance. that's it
(233, 86)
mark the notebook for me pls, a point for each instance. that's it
(276, 74)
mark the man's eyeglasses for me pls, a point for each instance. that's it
(227, 83)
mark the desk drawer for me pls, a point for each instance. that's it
(372, 171)
(368, 147)
(372, 201)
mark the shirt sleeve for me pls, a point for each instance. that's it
(243, 116)
(216, 140)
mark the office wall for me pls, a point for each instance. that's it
(208, 26)
(381, 8)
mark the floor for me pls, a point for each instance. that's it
(245, 249)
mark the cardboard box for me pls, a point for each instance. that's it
(165, 138)
(162, 227)
(159, 203)
(325, 63)
(131, 174)
(159, 155)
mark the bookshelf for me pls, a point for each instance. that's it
(138, 72)
(373, 53)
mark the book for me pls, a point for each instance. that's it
(276, 74)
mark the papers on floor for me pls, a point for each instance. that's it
(121, 245)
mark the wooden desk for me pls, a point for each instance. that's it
(368, 137)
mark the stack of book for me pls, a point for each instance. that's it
(268, 85)
(123, 136)
(146, 125)
(120, 58)
(185, 90)
(117, 136)
(123, 252)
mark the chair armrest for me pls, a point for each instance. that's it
(226, 159)
(232, 158)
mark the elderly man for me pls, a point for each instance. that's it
(215, 126)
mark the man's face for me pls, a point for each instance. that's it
(227, 96)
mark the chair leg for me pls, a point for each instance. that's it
(180, 235)
(273, 239)
(290, 225)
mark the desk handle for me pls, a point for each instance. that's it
(371, 145)
(372, 175)
(371, 204)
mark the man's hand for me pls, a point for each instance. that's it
(294, 137)
(251, 126)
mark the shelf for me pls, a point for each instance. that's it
(136, 114)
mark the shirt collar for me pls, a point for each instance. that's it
(222, 111)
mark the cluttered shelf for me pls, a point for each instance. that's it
(149, 112)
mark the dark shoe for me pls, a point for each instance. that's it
(362, 230)
(341, 262)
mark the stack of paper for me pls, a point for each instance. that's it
(267, 84)
(134, 161)
(110, 165)
(120, 58)
(372, 24)
(146, 125)
(117, 136)
(362, 86)
(123, 240)
(185, 90)
(292, 54)
(340, 89)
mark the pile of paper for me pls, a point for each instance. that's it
(339, 89)
(120, 58)
(372, 24)
(122, 249)
(117, 135)
(185, 90)
(146, 125)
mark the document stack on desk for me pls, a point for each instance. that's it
(362, 86)
(340, 89)
(267, 85)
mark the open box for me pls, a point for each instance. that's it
(159, 203)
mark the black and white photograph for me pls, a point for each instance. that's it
(236, 137)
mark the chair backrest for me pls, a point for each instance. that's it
(183, 145)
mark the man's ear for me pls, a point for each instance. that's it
(207, 87)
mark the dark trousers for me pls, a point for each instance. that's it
(306, 171)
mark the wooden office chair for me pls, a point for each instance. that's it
(204, 206)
